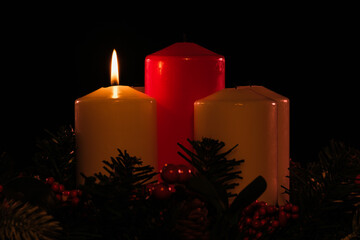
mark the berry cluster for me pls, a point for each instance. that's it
(171, 174)
(259, 218)
(71, 197)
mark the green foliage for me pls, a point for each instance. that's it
(121, 210)
(32, 190)
(214, 177)
(126, 170)
(56, 156)
(211, 162)
(326, 193)
(22, 221)
(116, 206)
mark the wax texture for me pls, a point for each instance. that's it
(111, 118)
(249, 118)
(176, 77)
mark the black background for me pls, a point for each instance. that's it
(309, 56)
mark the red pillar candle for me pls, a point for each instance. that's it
(176, 77)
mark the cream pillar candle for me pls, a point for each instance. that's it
(244, 117)
(110, 118)
(283, 141)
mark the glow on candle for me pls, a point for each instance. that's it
(111, 118)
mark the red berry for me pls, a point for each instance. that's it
(262, 211)
(162, 191)
(73, 193)
(66, 193)
(150, 188)
(79, 192)
(256, 215)
(275, 224)
(58, 196)
(256, 224)
(282, 218)
(295, 209)
(294, 216)
(75, 201)
(270, 209)
(262, 203)
(357, 179)
(248, 221)
(50, 180)
(61, 188)
(55, 187)
(172, 188)
(252, 231)
(184, 173)
(241, 227)
(170, 173)
(263, 222)
(258, 235)
(248, 210)
(288, 207)
(270, 229)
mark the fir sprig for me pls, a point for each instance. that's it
(214, 177)
(22, 221)
(118, 198)
(56, 156)
(127, 170)
(211, 162)
(326, 192)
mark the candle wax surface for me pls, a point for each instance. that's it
(283, 135)
(244, 117)
(176, 77)
(117, 92)
(111, 118)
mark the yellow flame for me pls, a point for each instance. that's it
(114, 69)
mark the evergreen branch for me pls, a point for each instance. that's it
(119, 197)
(56, 156)
(22, 221)
(324, 191)
(210, 161)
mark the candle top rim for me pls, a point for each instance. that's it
(231, 95)
(122, 93)
(184, 49)
(266, 92)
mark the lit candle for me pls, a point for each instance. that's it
(176, 77)
(111, 118)
(257, 119)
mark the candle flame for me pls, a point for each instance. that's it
(114, 69)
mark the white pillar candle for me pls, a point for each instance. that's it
(242, 116)
(111, 118)
(283, 141)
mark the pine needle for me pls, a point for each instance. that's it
(211, 161)
(23, 221)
